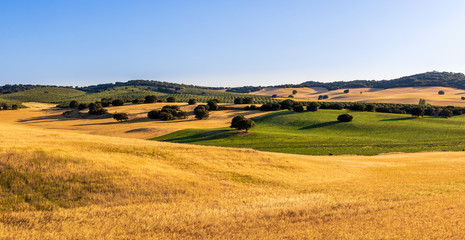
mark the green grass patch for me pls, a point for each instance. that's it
(319, 133)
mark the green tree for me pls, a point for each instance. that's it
(73, 104)
(345, 118)
(242, 123)
(417, 112)
(445, 113)
(121, 117)
(150, 99)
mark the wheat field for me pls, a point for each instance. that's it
(406, 95)
(72, 184)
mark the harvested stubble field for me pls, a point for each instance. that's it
(69, 184)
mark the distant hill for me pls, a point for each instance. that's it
(440, 79)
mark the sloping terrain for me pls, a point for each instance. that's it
(408, 95)
(66, 185)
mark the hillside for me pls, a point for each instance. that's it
(63, 184)
(406, 95)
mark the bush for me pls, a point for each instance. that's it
(165, 116)
(83, 106)
(150, 99)
(287, 104)
(242, 123)
(201, 112)
(213, 105)
(117, 102)
(417, 112)
(345, 118)
(298, 108)
(294, 92)
(154, 114)
(176, 108)
(137, 101)
(313, 106)
(121, 117)
(441, 92)
(270, 107)
(96, 109)
(192, 101)
(346, 91)
(370, 108)
(73, 104)
(238, 100)
(445, 113)
(171, 99)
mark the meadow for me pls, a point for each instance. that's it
(66, 184)
(319, 133)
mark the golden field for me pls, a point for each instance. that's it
(74, 179)
(408, 95)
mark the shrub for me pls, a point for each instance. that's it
(165, 116)
(242, 123)
(346, 91)
(121, 117)
(270, 107)
(370, 108)
(294, 92)
(445, 113)
(96, 109)
(150, 99)
(298, 108)
(176, 108)
(171, 99)
(238, 100)
(345, 118)
(247, 100)
(417, 112)
(192, 101)
(287, 104)
(83, 106)
(313, 106)
(137, 101)
(441, 92)
(201, 112)
(213, 105)
(117, 102)
(73, 104)
(325, 96)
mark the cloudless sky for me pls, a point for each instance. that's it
(227, 43)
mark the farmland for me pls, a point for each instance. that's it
(319, 133)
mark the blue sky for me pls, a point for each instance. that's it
(227, 43)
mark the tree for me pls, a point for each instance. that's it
(192, 101)
(138, 101)
(73, 104)
(463, 98)
(121, 117)
(274, 95)
(213, 105)
(294, 92)
(154, 114)
(290, 96)
(201, 112)
(117, 102)
(165, 116)
(5, 107)
(441, 92)
(287, 104)
(96, 109)
(313, 106)
(346, 91)
(422, 102)
(150, 99)
(445, 113)
(82, 106)
(370, 108)
(14, 107)
(298, 108)
(171, 99)
(417, 112)
(345, 118)
(238, 100)
(247, 100)
(242, 123)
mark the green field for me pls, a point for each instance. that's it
(318, 133)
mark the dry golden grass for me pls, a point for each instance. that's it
(63, 184)
(139, 126)
(410, 95)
